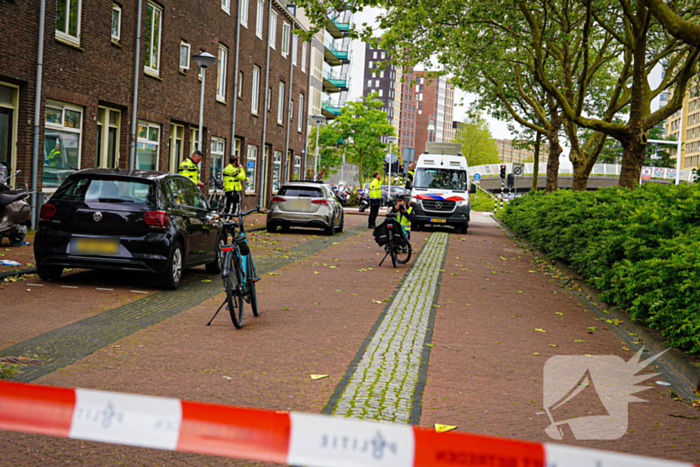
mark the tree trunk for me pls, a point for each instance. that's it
(633, 159)
(554, 147)
(536, 168)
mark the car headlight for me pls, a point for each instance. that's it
(414, 200)
(464, 202)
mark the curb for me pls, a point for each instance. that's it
(18, 272)
(675, 358)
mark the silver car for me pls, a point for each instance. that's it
(305, 204)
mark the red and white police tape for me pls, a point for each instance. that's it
(267, 435)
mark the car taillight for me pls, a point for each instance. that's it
(157, 219)
(277, 199)
(320, 201)
(47, 212)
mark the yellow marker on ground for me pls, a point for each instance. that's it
(443, 428)
(319, 376)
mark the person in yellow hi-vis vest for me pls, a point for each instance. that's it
(189, 167)
(375, 199)
(234, 177)
(404, 214)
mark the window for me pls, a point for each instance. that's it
(269, 99)
(177, 134)
(153, 23)
(276, 171)
(381, 74)
(221, 73)
(303, 57)
(259, 19)
(376, 83)
(295, 47)
(62, 141)
(195, 196)
(147, 145)
(240, 85)
(107, 137)
(218, 146)
(194, 140)
(291, 111)
(116, 22)
(369, 83)
(375, 54)
(68, 20)
(381, 93)
(244, 12)
(226, 6)
(383, 55)
(286, 30)
(184, 56)
(280, 104)
(420, 105)
(250, 168)
(300, 119)
(255, 98)
(273, 30)
(297, 167)
(237, 147)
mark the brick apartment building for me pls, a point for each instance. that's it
(434, 104)
(87, 93)
(510, 152)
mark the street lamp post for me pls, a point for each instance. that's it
(391, 140)
(431, 129)
(204, 60)
(319, 119)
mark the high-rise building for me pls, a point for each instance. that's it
(380, 78)
(687, 131)
(434, 104)
(508, 151)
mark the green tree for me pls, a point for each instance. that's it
(329, 154)
(478, 145)
(660, 155)
(361, 125)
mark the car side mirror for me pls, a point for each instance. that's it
(472, 188)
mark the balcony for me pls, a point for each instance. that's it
(333, 56)
(330, 110)
(334, 82)
(338, 25)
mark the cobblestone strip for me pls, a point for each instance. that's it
(384, 382)
(68, 344)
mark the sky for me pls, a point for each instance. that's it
(499, 129)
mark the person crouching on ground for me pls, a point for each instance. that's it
(404, 215)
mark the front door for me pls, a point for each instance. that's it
(6, 138)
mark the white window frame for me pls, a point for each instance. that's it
(244, 13)
(300, 119)
(304, 48)
(154, 71)
(140, 140)
(177, 132)
(118, 9)
(252, 155)
(189, 52)
(240, 84)
(280, 104)
(217, 143)
(297, 167)
(61, 126)
(66, 36)
(381, 93)
(259, 19)
(221, 68)
(295, 49)
(255, 92)
(277, 170)
(291, 111)
(272, 33)
(286, 32)
(374, 55)
(106, 125)
(226, 6)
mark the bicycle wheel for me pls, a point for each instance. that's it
(234, 297)
(252, 294)
(403, 253)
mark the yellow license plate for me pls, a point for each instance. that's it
(438, 221)
(95, 246)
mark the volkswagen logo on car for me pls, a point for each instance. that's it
(97, 217)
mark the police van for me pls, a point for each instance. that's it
(440, 192)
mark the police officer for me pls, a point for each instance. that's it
(404, 214)
(411, 174)
(234, 176)
(189, 167)
(375, 199)
(54, 158)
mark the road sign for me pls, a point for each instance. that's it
(477, 178)
(518, 169)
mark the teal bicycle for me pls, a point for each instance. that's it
(238, 272)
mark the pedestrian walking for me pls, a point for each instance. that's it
(190, 169)
(234, 176)
(375, 199)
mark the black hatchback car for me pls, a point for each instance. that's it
(136, 220)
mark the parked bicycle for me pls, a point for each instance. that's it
(238, 272)
(391, 235)
(216, 197)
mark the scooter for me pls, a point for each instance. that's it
(364, 202)
(14, 210)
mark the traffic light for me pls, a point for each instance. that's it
(503, 171)
(386, 167)
(511, 180)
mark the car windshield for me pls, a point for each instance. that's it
(106, 190)
(300, 191)
(445, 179)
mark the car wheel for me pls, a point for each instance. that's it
(170, 279)
(271, 228)
(49, 273)
(463, 228)
(215, 266)
(342, 223)
(330, 230)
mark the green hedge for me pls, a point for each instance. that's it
(641, 248)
